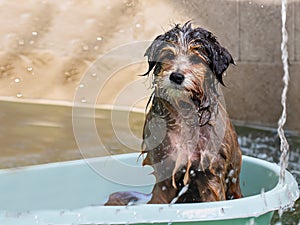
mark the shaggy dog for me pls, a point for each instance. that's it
(188, 138)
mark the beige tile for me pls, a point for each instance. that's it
(297, 31)
(253, 93)
(293, 103)
(219, 17)
(260, 31)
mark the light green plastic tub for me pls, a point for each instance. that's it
(72, 193)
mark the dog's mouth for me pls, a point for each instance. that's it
(174, 94)
(179, 101)
(188, 93)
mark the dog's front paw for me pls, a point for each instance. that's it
(128, 198)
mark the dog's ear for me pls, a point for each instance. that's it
(152, 53)
(151, 65)
(220, 59)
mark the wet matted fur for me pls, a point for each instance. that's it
(188, 138)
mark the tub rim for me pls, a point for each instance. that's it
(279, 197)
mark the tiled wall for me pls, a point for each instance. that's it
(251, 30)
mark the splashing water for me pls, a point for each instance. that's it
(284, 146)
(182, 191)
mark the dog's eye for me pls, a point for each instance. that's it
(195, 59)
(168, 56)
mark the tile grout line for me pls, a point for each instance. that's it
(295, 30)
(239, 31)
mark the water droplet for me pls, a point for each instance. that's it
(131, 202)
(231, 173)
(34, 33)
(99, 38)
(233, 180)
(81, 85)
(19, 95)
(83, 100)
(262, 6)
(29, 69)
(138, 25)
(129, 3)
(21, 42)
(251, 222)
(94, 74)
(17, 80)
(163, 188)
(222, 211)
(170, 222)
(250, 3)
(85, 47)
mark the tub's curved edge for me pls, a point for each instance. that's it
(281, 196)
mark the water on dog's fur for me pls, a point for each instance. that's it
(36, 133)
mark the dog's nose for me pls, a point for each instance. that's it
(176, 77)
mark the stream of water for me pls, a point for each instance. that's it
(284, 145)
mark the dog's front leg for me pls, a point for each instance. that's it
(163, 192)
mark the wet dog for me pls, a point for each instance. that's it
(188, 138)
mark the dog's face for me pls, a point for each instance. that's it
(187, 60)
